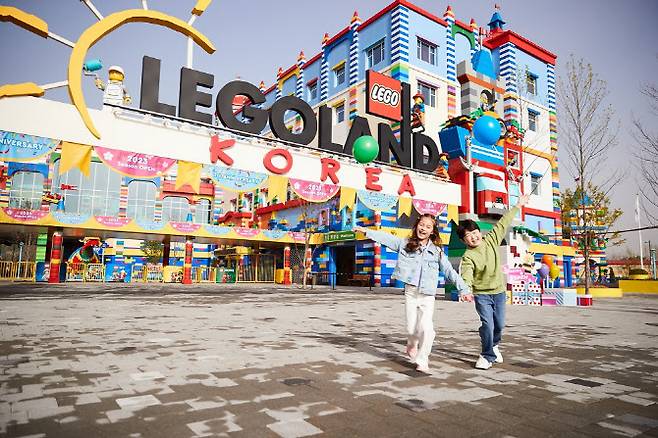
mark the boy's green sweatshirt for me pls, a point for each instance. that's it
(480, 266)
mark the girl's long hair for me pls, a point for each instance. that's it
(414, 243)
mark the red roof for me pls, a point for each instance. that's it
(499, 38)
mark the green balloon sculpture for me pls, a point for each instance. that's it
(365, 149)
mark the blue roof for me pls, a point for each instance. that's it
(496, 21)
(482, 63)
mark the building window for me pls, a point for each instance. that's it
(531, 83)
(375, 54)
(535, 188)
(26, 190)
(429, 93)
(175, 209)
(97, 194)
(426, 51)
(339, 75)
(202, 212)
(533, 117)
(141, 200)
(340, 113)
(313, 91)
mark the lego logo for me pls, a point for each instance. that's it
(385, 95)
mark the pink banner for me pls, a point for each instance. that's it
(25, 215)
(517, 275)
(111, 221)
(132, 164)
(184, 227)
(246, 232)
(313, 191)
(429, 207)
(297, 236)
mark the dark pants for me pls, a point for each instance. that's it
(491, 309)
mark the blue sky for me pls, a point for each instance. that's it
(254, 38)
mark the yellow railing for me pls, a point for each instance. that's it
(18, 271)
(75, 272)
(95, 272)
(6, 270)
(25, 271)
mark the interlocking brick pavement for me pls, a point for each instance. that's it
(265, 361)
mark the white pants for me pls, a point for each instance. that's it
(420, 324)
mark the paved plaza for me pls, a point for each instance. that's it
(266, 361)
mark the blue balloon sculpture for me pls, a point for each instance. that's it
(486, 130)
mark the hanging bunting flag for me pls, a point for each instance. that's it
(347, 198)
(75, 155)
(453, 214)
(235, 180)
(277, 187)
(404, 206)
(429, 207)
(22, 147)
(188, 173)
(377, 201)
(133, 164)
(313, 191)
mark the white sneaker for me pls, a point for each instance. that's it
(482, 363)
(423, 368)
(499, 357)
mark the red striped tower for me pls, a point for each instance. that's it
(377, 249)
(55, 257)
(187, 266)
(287, 277)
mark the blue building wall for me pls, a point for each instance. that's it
(433, 32)
(312, 71)
(537, 68)
(339, 52)
(373, 33)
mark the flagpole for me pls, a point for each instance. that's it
(639, 226)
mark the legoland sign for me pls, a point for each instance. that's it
(386, 98)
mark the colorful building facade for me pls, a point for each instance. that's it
(286, 190)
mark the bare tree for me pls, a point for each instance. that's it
(588, 131)
(647, 155)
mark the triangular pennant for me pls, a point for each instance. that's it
(188, 173)
(75, 155)
(404, 206)
(347, 198)
(277, 187)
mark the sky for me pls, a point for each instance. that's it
(254, 38)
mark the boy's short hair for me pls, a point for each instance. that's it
(465, 226)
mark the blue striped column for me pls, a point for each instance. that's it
(399, 52)
(451, 67)
(354, 65)
(279, 84)
(324, 70)
(354, 49)
(550, 79)
(451, 72)
(299, 89)
(400, 41)
(552, 123)
(476, 37)
(508, 70)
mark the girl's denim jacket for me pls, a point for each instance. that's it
(432, 260)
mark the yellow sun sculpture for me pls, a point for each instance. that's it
(88, 38)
